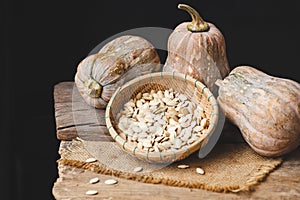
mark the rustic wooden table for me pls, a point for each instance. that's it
(283, 183)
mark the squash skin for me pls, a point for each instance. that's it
(119, 61)
(266, 109)
(201, 55)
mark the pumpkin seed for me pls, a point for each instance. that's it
(79, 139)
(138, 169)
(183, 166)
(91, 192)
(147, 143)
(177, 143)
(154, 102)
(110, 182)
(139, 103)
(130, 104)
(90, 160)
(203, 122)
(182, 97)
(198, 128)
(200, 171)
(138, 96)
(94, 180)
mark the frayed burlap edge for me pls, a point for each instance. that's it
(253, 179)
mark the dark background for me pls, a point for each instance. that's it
(43, 41)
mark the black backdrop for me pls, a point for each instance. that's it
(43, 41)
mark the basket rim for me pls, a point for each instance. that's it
(170, 155)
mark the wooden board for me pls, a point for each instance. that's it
(74, 117)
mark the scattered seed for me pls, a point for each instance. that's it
(90, 160)
(183, 166)
(110, 182)
(91, 192)
(138, 169)
(200, 171)
(94, 180)
(79, 139)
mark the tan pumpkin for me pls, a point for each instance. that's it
(124, 58)
(198, 49)
(265, 108)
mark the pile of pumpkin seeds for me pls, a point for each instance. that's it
(161, 121)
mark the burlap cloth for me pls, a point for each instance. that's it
(228, 168)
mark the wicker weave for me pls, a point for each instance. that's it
(181, 83)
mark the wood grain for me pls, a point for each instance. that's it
(75, 118)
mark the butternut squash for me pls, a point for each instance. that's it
(265, 108)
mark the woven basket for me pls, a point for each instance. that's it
(181, 83)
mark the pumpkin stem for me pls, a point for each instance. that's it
(197, 24)
(93, 88)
